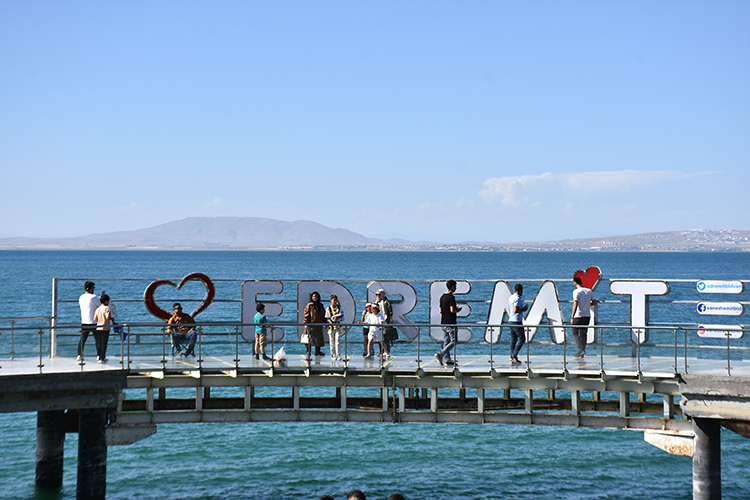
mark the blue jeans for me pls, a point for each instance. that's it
(185, 338)
(449, 341)
(517, 338)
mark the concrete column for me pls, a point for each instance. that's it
(342, 395)
(624, 404)
(92, 455)
(707, 459)
(248, 398)
(433, 399)
(575, 402)
(50, 446)
(528, 402)
(198, 399)
(480, 400)
(668, 406)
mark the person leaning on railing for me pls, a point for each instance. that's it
(184, 331)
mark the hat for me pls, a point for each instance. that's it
(380, 292)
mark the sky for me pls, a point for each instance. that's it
(501, 121)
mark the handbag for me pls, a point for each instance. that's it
(391, 334)
(304, 338)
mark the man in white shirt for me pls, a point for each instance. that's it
(583, 299)
(88, 303)
(517, 335)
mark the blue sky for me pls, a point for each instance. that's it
(444, 121)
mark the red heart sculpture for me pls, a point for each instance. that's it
(148, 295)
(590, 278)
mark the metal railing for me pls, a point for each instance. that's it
(224, 339)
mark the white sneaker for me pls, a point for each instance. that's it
(99, 360)
(79, 358)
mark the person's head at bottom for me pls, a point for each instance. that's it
(356, 495)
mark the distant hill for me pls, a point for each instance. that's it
(260, 233)
(208, 232)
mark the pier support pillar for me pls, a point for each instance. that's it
(92, 455)
(707, 459)
(50, 446)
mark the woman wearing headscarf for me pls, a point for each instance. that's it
(315, 314)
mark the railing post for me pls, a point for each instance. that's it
(528, 348)
(237, 346)
(601, 350)
(492, 364)
(12, 338)
(565, 350)
(200, 347)
(674, 332)
(686, 349)
(53, 329)
(128, 337)
(729, 364)
(164, 347)
(41, 364)
(419, 347)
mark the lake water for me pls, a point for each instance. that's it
(307, 460)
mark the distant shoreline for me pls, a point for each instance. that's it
(425, 248)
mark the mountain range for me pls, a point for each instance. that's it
(263, 233)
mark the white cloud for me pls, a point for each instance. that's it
(533, 190)
(215, 202)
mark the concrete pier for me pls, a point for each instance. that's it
(93, 391)
(50, 446)
(707, 459)
(92, 455)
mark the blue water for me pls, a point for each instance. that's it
(307, 460)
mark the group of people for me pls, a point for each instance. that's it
(583, 299)
(376, 316)
(97, 316)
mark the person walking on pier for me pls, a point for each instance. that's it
(260, 321)
(517, 336)
(315, 314)
(185, 332)
(583, 299)
(334, 316)
(448, 313)
(103, 317)
(88, 303)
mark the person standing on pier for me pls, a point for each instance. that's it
(517, 336)
(315, 314)
(185, 330)
(366, 329)
(88, 303)
(583, 299)
(103, 317)
(375, 333)
(448, 313)
(386, 309)
(334, 316)
(261, 327)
